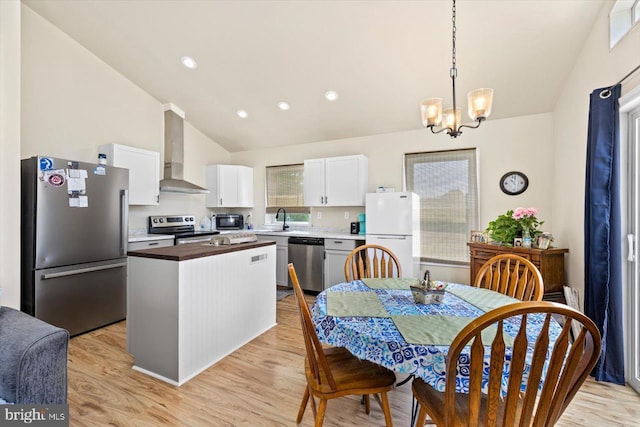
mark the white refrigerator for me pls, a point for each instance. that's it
(393, 221)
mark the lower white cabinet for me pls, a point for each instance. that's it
(335, 255)
(184, 316)
(282, 257)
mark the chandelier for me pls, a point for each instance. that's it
(479, 102)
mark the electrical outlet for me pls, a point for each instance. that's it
(346, 215)
(319, 215)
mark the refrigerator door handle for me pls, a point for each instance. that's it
(124, 221)
(83, 270)
(391, 237)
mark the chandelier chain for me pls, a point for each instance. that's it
(453, 38)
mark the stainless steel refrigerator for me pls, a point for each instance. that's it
(74, 231)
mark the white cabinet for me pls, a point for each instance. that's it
(186, 315)
(282, 256)
(229, 186)
(336, 181)
(144, 171)
(335, 255)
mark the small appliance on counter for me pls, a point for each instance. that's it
(229, 222)
(182, 227)
(355, 228)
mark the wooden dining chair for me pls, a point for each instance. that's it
(569, 365)
(334, 372)
(511, 275)
(371, 261)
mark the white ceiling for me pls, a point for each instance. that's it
(382, 57)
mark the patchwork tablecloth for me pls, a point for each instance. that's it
(378, 339)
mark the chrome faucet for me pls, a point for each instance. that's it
(284, 219)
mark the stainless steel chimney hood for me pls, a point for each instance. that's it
(174, 154)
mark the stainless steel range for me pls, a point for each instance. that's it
(182, 227)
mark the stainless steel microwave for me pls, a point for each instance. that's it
(229, 222)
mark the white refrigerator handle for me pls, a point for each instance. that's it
(391, 237)
(631, 257)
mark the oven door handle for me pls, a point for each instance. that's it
(192, 240)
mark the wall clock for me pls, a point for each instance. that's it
(513, 183)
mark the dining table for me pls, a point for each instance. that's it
(378, 320)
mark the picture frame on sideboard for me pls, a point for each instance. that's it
(478, 236)
(544, 242)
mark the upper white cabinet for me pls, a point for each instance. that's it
(144, 171)
(229, 186)
(336, 181)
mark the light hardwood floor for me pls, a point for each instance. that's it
(259, 385)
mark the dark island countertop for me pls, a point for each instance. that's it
(195, 250)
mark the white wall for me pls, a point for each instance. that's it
(520, 143)
(72, 102)
(597, 66)
(10, 149)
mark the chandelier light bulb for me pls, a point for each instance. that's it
(431, 111)
(451, 119)
(479, 102)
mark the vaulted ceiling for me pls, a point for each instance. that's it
(381, 57)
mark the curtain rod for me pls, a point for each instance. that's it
(607, 92)
(627, 76)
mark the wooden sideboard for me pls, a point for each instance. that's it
(550, 262)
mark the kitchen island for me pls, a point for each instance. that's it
(191, 305)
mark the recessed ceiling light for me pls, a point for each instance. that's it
(331, 95)
(284, 106)
(189, 62)
(242, 114)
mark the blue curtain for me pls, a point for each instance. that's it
(602, 233)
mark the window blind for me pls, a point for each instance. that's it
(447, 184)
(285, 188)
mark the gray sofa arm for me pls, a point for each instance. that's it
(33, 359)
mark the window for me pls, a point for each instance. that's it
(285, 189)
(447, 184)
(623, 16)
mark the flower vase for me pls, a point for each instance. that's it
(526, 238)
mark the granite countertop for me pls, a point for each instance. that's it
(311, 233)
(194, 250)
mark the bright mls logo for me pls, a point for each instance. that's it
(37, 415)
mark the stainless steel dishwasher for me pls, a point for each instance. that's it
(307, 256)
